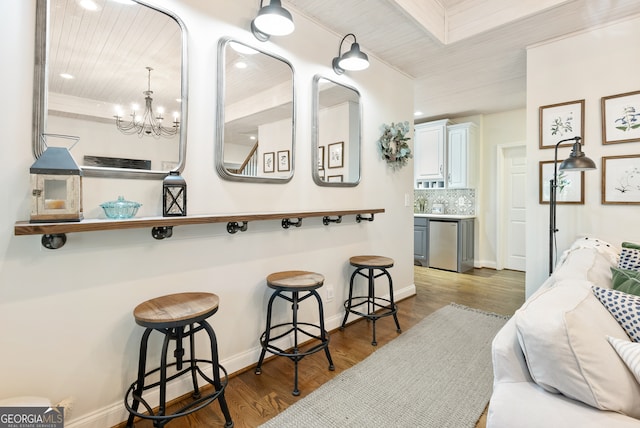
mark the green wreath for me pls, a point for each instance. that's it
(393, 144)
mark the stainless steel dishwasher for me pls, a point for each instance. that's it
(443, 244)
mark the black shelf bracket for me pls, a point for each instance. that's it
(162, 232)
(327, 219)
(287, 223)
(360, 217)
(53, 241)
(234, 226)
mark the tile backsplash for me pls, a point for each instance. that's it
(455, 201)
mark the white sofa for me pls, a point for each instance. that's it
(553, 366)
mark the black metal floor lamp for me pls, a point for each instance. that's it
(577, 161)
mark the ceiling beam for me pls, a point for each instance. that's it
(468, 18)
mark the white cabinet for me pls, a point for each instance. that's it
(430, 154)
(445, 155)
(461, 156)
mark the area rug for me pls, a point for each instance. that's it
(436, 374)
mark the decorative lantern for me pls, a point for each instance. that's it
(174, 195)
(56, 187)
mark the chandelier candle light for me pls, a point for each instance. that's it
(148, 123)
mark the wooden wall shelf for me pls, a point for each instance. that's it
(162, 226)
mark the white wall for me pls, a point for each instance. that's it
(67, 314)
(588, 66)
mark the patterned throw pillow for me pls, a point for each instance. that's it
(624, 307)
(629, 352)
(629, 256)
(625, 280)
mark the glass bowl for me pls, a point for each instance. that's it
(120, 208)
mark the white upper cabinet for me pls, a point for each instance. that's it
(461, 159)
(430, 154)
(445, 155)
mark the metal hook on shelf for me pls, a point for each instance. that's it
(287, 223)
(327, 219)
(162, 232)
(234, 226)
(360, 217)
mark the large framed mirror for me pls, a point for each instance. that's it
(336, 133)
(111, 75)
(255, 138)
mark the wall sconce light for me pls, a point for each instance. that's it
(577, 161)
(174, 195)
(354, 60)
(272, 20)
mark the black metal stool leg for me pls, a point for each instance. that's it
(194, 367)
(295, 358)
(267, 333)
(217, 383)
(142, 363)
(349, 301)
(323, 332)
(393, 303)
(371, 308)
(162, 407)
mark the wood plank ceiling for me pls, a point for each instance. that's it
(466, 56)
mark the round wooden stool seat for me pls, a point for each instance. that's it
(176, 310)
(371, 261)
(295, 280)
(370, 306)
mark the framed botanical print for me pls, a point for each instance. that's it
(561, 121)
(621, 179)
(283, 161)
(334, 178)
(268, 162)
(621, 118)
(569, 188)
(336, 152)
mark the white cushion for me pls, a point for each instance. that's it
(563, 334)
(589, 259)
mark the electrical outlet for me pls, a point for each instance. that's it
(330, 294)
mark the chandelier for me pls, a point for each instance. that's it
(147, 123)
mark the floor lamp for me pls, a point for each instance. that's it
(577, 161)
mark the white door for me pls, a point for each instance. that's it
(514, 176)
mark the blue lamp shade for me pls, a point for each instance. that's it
(174, 195)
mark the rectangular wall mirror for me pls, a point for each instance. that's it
(336, 133)
(256, 115)
(103, 60)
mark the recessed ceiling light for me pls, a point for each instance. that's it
(66, 76)
(89, 4)
(127, 2)
(417, 113)
(241, 64)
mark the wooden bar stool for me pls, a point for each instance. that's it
(177, 316)
(374, 307)
(294, 282)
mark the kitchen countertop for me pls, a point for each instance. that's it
(444, 216)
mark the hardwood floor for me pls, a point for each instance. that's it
(254, 399)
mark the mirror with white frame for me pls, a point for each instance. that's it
(336, 133)
(111, 75)
(256, 115)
